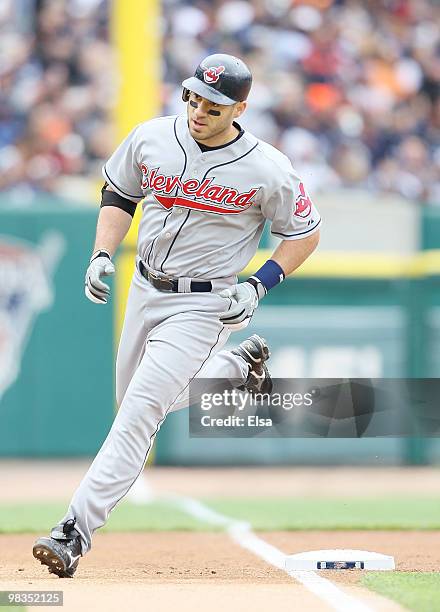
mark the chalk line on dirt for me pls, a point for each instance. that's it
(241, 533)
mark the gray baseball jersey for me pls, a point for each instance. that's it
(203, 215)
(204, 212)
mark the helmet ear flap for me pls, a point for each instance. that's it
(185, 94)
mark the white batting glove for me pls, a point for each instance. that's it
(244, 301)
(100, 265)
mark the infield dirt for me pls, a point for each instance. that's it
(164, 571)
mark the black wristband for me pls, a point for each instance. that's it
(100, 253)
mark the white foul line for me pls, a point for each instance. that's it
(241, 532)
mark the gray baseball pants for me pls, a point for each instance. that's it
(166, 341)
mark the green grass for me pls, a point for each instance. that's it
(263, 514)
(416, 591)
(328, 514)
(29, 518)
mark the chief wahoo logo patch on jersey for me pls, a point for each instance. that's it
(303, 204)
(212, 75)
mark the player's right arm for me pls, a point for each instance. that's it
(114, 221)
(120, 194)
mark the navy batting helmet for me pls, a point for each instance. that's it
(220, 78)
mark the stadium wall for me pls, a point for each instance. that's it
(342, 315)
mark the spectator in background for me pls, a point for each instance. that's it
(349, 89)
(56, 95)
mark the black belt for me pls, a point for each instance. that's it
(166, 283)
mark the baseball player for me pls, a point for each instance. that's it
(207, 187)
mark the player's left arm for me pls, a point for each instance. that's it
(294, 219)
(287, 257)
(291, 254)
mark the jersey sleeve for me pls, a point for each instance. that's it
(122, 171)
(290, 209)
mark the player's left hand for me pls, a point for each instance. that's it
(244, 301)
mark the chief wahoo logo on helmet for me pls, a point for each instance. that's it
(212, 75)
(220, 78)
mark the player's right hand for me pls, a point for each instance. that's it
(100, 265)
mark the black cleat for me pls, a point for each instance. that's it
(255, 352)
(60, 551)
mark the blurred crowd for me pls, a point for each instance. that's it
(348, 89)
(56, 93)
